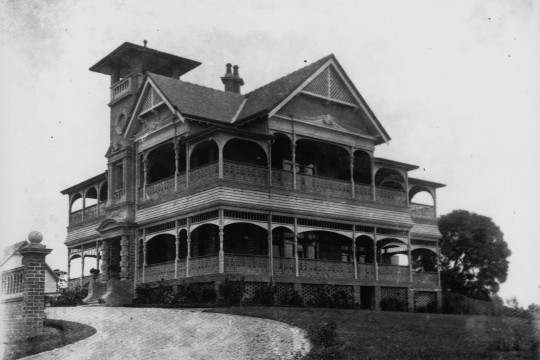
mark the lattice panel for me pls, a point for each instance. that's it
(330, 85)
(151, 100)
(399, 294)
(283, 293)
(311, 292)
(423, 299)
(252, 288)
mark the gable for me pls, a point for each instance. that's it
(150, 100)
(330, 86)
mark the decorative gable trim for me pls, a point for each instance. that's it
(334, 87)
(150, 98)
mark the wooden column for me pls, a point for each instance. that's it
(293, 157)
(354, 252)
(97, 254)
(82, 265)
(187, 166)
(351, 167)
(409, 256)
(176, 159)
(373, 187)
(136, 264)
(269, 147)
(407, 188)
(220, 162)
(83, 206)
(221, 236)
(376, 262)
(177, 246)
(145, 174)
(437, 264)
(144, 257)
(69, 265)
(110, 186)
(188, 246)
(296, 247)
(270, 248)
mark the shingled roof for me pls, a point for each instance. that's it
(197, 100)
(212, 104)
(270, 95)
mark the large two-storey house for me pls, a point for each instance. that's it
(279, 185)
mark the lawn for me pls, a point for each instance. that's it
(57, 333)
(374, 335)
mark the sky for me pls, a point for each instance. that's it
(455, 83)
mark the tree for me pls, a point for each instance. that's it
(473, 254)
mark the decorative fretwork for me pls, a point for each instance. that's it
(328, 84)
(430, 243)
(366, 271)
(203, 174)
(76, 217)
(12, 281)
(160, 188)
(211, 215)
(204, 265)
(252, 288)
(246, 264)
(394, 273)
(426, 278)
(284, 266)
(250, 174)
(422, 211)
(312, 293)
(282, 219)
(283, 293)
(282, 179)
(393, 197)
(363, 228)
(182, 222)
(235, 214)
(157, 272)
(394, 293)
(363, 192)
(325, 269)
(423, 300)
(161, 227)
(151, 100)
(324, 224)
(323, 185)
(396, 232)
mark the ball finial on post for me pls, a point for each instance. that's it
(35, 237)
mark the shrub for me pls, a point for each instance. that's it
(69, 297)
(144, 294)
(265, 295)
(294, 299)
(232, 290)
(393, 304)
(327, 343)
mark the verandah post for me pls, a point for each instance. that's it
(221, 269)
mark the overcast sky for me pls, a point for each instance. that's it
(455, 83)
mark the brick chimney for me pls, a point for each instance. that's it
(232, 80)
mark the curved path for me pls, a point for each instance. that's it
(150, 333)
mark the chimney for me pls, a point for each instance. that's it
(232, 81)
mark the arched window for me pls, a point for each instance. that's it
(161, 248)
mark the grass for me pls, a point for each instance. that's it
(57, 333)
(375, 335)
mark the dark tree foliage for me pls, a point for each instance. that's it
(473, 254)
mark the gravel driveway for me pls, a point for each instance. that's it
(138, 333)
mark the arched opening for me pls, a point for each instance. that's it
(204, 153)
(245, 239)
(76, 203)
(392, 252)
(390, 179)
(75, 268)
(421, 196)
(160, 249)
(161, 163)
(91, 197)
(205, 240)
(282, 242)
(362, 168)
(324, 245)
(182, 246)
(321, 159)
(424, 260)
(281, 152)
(244, 151)
(103, 192)
(364, 250)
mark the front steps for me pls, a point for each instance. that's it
(111, 293)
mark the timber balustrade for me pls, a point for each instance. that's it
(246, 264)
(422, 211)
(120, 88)
(427, 278)
(203, 265)
(394, 273)
(325, 269)
(90, 213)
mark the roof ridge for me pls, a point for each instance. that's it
(199, 85)
(289, 74)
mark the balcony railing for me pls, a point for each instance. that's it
(284, 266)
(156, 272)
(426, 278)
(204, 265)
(322, 185)
(119, 195)
(203, 174)
(120, 88)
(246, 264)
(366, 271)
(90, 213)
(160, 188)
(325, 269)
(394, 197)
(394, 273)
(251, 174)
(422, 211)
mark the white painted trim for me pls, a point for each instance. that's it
(239, 110)
(150, 83)
(329, 98)
(303, 229)
(168, 232)
(276, 225)
(262, 224)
